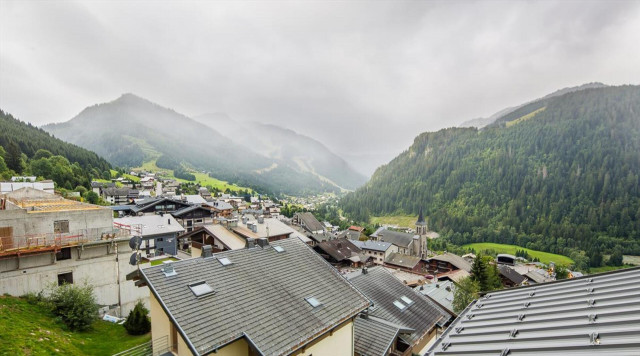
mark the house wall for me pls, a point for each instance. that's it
(338, 344)
(24, 223)
(97, 264)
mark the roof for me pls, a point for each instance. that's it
(349, 234)
(372, 336)
(372, 245)
(152, 224)
(510, 274)
(39, 201)
(220, 205)
(591, 315)
(149, 202)
(321, 237)
(421, 221)
(398, 259)
(113, 191)
(310, 222)
(339, 249)
(270, 227)
(455, 276)
(384, 289)
(440, 292)
(191, 198)
(188, 209)
(535, 277)
(229, 239)
(266, 305)
(397, 238)
(455, 260)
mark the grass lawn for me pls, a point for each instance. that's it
(545, 257)
(593, 270)
(30, 329)
(400, 220)
(158, 262)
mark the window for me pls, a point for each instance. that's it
(313, 302)
(399, 305)
(61, 226)
(224, 261)
(64, 254)
(200, 288)
(65, 278)
(278, 248)
(406, 300)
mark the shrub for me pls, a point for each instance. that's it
(75, 305)
(137, 322)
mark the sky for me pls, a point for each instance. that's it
(362, 77)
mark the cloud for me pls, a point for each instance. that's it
(363, 77)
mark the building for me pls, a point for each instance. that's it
(308, 222)
(407, 244)
(221, 208)
(341, 252)
(441, 293)
(46, 239)
(447, 262)
(192, 216)
(406, 262)
(415, 316)
(215, 235)
(378, 251)
(270, 228)
(293, 304)
(591, 315)
(116, 196)
(159, 232)
(509, 277)
(45, 185)
(158, 205)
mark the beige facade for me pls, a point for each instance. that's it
(336, 342)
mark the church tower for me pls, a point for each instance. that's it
(421, 225)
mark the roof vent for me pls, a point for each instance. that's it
(521, 317)
(167, 269)
(224, 261)
(532, 294)
(251, 242)
(263, 242)
(589, 280)
(591, 302)
(513, 333)
(594, 338)
(590, 290)
(526, 304)
(206, 251)
(592, 318)
(200, 289)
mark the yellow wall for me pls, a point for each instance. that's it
(160, 324)
(240, 347)
(338, 344)
(196, 252)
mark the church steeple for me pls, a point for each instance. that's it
(421, 224)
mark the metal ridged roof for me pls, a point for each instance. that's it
(592, 315)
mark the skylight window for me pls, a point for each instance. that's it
(278, 248)
(200, 289)
(406, 300)
(399, 305)
(224, 261)
(313, 302)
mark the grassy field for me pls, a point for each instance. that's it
(201, 178)
(400, 220)
(593, 270)
(525, 117)
(158, 262)
(30, 329)
(545, 257)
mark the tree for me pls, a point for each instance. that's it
(561, 273)
(42, 153)
(616, 258)
(137, 322)
(75, 305)
(91, 197)
(14, 157)
(466, 291)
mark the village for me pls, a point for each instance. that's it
(226, 275)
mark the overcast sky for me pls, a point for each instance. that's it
(362, 77)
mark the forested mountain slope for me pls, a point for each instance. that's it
(559, 175)
(32, 151)
(131, 130)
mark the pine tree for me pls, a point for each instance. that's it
(137, 322)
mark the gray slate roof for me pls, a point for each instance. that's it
(398, 259)
(510, 274)
(372, 336)
(591, 315)
(440, 292)
(372, 245)
(310, 222)
(260, 295)
(401, 239)
(383, 289)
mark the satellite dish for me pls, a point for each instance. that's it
(133, 260)
(135, 242)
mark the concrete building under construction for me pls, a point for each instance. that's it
(48, 240)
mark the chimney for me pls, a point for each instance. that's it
(254, 228)
(168, 221)
(364, 270)
(206, 251)
(263, 242)
(251, 243)
(245, 219)
(261, 219)
(167, 269)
